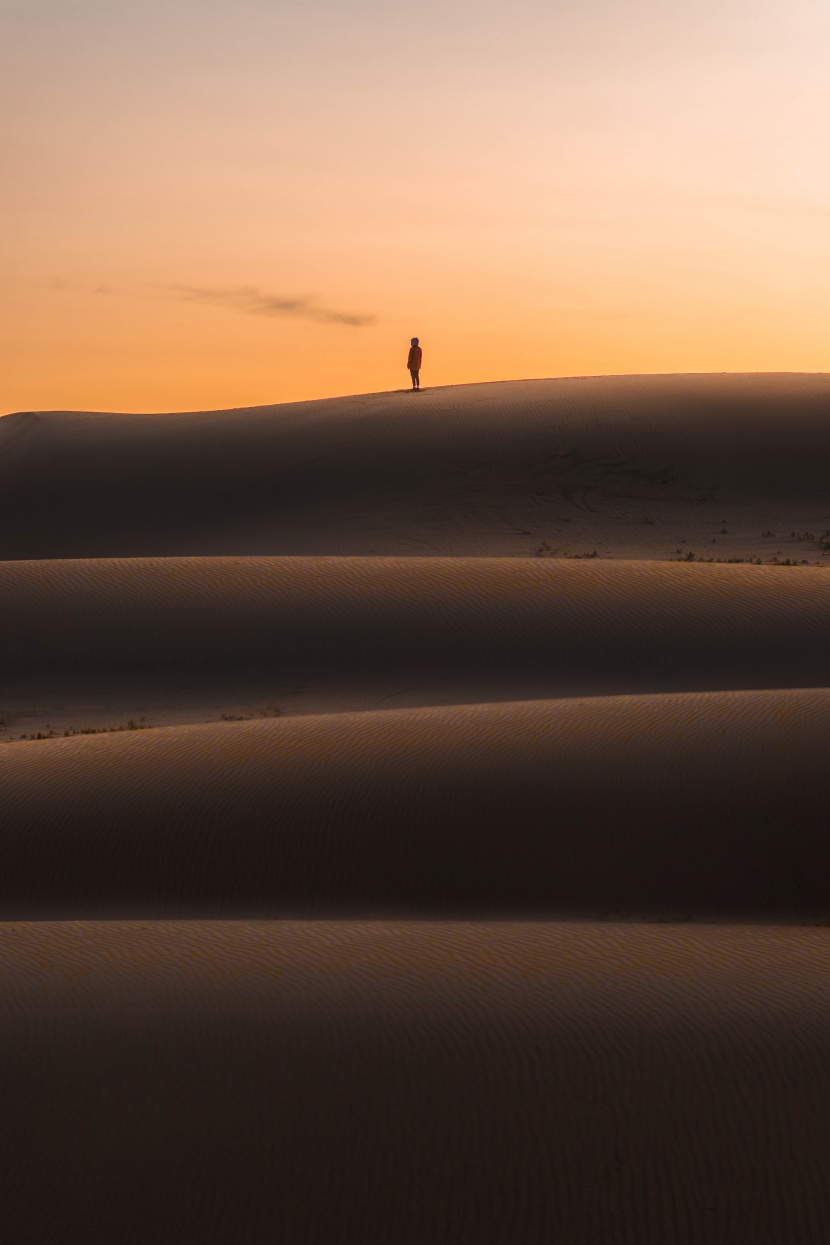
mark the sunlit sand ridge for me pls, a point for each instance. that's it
(542, 813)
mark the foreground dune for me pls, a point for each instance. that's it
(697, 806)
(632, 466)
(379, 1083)
(171, 640)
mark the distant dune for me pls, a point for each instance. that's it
(488, 923)
(625, 465)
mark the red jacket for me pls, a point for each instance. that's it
(414, 360)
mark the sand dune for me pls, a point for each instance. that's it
(319, 1082)
(94, 642)
(537, 792)
(631, 466)
(701, 806)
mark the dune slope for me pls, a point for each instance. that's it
(103, 642)
(696, 806)
(628, 465)
(320, 1082)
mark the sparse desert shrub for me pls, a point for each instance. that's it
(107, 730)
(691, 557)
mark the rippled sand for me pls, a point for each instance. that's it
(380, 1082)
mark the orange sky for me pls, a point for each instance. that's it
(214, 203)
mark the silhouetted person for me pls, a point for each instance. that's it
(414, 363)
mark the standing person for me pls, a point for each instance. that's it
(414, 363)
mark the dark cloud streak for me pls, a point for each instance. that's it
(257, 302)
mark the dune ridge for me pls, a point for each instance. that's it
(110, 613)
(496, 469)
(86, 642)
(691, 806)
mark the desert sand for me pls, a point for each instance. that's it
(413, 817)
(376, 1082)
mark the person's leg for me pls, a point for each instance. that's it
(414, 376)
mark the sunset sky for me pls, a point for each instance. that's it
(217, 203)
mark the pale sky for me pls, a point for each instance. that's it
(216, 203)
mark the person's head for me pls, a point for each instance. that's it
(414, 341)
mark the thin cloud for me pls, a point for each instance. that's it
(63, 286)
(258, 302)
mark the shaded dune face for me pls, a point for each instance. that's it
(464, 471)
(698, 806)
(473, 629)
(318, 1082)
